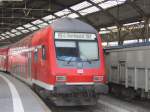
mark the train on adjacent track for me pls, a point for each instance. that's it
(128, 70)
(64, 59)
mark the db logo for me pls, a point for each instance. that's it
(80, 71)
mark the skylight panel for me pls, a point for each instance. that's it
(12, 35)
(130, 41)
(73, 15)
(8, 33)
(97, 1)
(49, 17)
(108, 4)
(20, 28)
(121, 1)
(37, 21)
(112, 27)
(13, 30)
(130, 24)
(27, 25)
(102, 29)
(50, 21)
(63, 12)
(2, 38)
(80, 5)
(3, 34)
(25, 31)
(42, 25)
(7, 36)
(89, 10)
(18, 33)
(33, 28)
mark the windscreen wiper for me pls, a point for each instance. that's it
(87, 59)
(60, 59)
(69, 60)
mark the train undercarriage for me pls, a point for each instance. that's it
(73, 95)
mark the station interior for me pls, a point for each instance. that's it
(123, 27)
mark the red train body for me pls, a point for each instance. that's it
(65, 58)
(3, 59)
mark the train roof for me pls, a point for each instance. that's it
(128, 46)
(72, 25)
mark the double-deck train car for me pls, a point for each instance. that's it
(3, 59)
(128, 69)
(64, 59)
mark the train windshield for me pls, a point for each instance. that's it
(76, 50)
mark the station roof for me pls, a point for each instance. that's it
(21, 17)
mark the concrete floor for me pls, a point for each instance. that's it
(15, 96)
(112, 104)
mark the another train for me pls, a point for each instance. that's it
(64, 59)
(128, 69)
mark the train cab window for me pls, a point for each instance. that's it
(43, 52)
(66, 50)
(36, 54)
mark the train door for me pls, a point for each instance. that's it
(122, 70)
(35, 63)
(42, 64)
(29, 66)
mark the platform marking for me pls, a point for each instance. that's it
(118, 109)
(17, 104)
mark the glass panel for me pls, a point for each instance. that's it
(66, 50)
(37, 22)
(80, 5)
(89, 10)
(42, 25)
(85, 47)
(108, 4)
(33, 28)
(111, 3)
(73, 15)
(63, 12)
(49, 17)
(97, 1)
(20, 28)
(27, 25)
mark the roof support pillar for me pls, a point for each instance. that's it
(120, 39)
(146, 29)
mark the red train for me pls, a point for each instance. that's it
(64, 59)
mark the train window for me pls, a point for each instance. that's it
(84, 47)
(66, 50)
(36, 54)
(43, 52)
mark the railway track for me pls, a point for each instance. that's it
(55, 108)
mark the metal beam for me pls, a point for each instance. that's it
(105, 12)
(76, 12)
(34, 25)
(136, 7)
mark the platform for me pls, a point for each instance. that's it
(111, 104)
(15, 96)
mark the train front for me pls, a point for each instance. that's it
(79, 68)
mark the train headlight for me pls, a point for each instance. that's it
(98, 78)
(60, 78)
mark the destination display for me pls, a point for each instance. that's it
(75, 36)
